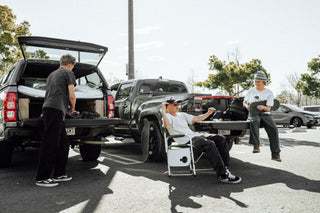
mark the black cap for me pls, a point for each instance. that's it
(172, 100)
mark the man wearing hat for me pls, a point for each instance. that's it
(215, 147)
(261, 114)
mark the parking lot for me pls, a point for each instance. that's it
(120, 182)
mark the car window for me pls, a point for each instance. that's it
(282, 109)
(162, 87)
(124, 91)
(93, 80)
(37, 83)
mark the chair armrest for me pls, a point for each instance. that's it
(176, 136)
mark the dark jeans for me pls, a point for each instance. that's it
(54, 149)
(216, 150)
(271, 129)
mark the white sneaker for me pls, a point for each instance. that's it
(47, 183)
(62, 178)
(229, 178)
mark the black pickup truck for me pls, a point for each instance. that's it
(138, 104)
(22, 91)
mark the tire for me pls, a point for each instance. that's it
(229, 142)
(309, 126)
(152, 141)
(6, 150)
(90, 152)
(296, 122)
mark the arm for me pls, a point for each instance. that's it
(166, 122)
(72, 98)
(246, 105)
(265, 108)
(203, 116)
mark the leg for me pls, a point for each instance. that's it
(254, 129)
(201, 144)
(62, 157)
(220, 142)
(49, 145)
(272, 131)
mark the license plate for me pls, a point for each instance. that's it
(223, 132)
(71, 131)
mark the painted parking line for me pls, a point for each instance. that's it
(118, 159)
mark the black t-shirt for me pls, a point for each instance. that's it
(57, 93)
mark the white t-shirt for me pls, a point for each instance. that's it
(255, 95)
(179, 125)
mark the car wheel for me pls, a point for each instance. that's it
(5, 154)
(309, 126)
(152, 141)
(296, 122)
(90, 152)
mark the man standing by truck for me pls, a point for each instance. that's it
(215, 147)
(54, 148)
(261, 114)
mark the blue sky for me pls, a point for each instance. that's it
(174, 38)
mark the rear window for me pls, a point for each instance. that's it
(158, 88)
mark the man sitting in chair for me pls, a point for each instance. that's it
(215, 147)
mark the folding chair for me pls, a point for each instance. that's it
(180, 155)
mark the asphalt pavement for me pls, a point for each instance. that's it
(120, 182)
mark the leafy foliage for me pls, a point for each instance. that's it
(227, 75)
(310, 83)
(9, 32)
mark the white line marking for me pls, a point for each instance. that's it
(123, 160)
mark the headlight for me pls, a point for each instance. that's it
(308, 116)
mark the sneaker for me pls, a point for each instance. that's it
(276, 158)
(46, 183)
(62, 178)
(256, 148)
(227, 177)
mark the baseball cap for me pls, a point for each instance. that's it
(172, 100)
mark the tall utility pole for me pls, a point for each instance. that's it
(130, 41)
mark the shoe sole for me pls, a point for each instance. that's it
(231, 182)
(47, 185)
(256, 151)
(62, 180)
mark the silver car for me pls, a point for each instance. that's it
(288, 114)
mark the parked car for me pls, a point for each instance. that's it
(22, 92)
(288, 114)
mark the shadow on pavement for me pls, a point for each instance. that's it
(90, 183)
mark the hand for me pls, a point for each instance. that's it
(211, 110)
(71, 111)
(260, 107)
(164, 106)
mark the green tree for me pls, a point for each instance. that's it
(227, 75)
(309, 83)
(9, 32)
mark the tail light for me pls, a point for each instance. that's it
(111, 107)
(10, 107)
(197, 104)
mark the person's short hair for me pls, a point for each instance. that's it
(67, 59)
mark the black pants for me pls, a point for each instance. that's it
(54, 148)
(216, 150)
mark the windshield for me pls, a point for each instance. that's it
(51, 54)
(294, 108)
